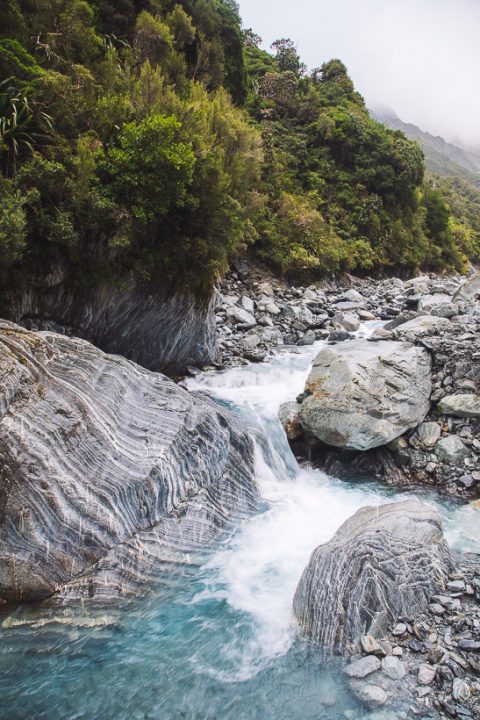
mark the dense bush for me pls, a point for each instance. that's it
(150, 139)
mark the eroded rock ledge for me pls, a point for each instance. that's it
(159, 330)
(107, 470)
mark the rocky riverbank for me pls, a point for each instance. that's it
(385, 589)
(427, 664)
(257, 313)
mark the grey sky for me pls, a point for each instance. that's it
(419, 57)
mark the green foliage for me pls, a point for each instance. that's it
(13, 23)
(150, 170)
(23, 125)
(13, 227)
(463, 202)
(16, 62)
(151, 139)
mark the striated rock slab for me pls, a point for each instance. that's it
(107, 470)
(382, 564)
(159, 331)
(364, 395)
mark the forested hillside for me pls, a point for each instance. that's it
(441, 157)
(150, 139)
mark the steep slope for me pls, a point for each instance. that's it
(441, 157)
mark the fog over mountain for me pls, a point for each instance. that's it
(420, 57)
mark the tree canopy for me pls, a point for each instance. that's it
(153, 138)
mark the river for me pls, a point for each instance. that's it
(216, 640)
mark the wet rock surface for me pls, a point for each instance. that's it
(382, 564)
(331, 311)
(109, 472)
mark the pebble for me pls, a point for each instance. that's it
(371, 646)
(426, 674)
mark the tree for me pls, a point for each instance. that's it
(148, 173)
(287, 57)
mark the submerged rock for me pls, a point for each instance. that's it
(107, 470)
(382, 564)
(364, 395)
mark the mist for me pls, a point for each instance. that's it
(421, 58)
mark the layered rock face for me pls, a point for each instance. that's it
(159, 331)
(107, 470)
(382, 564)
(363, 395)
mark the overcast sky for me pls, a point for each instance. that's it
(419, 57)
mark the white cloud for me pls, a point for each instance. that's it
(419, 57)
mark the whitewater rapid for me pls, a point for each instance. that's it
(257, 571)
(214, 639)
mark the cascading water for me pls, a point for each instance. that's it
(215, 641)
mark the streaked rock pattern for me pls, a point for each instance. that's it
(160, 331)
(363, 395)
(108, 472)
(382, 564)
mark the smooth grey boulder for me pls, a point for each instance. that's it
(418, 284)
(382, 564)
(109, 472)
(463, 406)
(363, 667)
(346, 321)
(352, 295)
(371, 695)
(423, 325)
(299, 311)
(247, 303)
(428, 433)
(364, 395)
(241, 316)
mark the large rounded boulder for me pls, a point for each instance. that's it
(108, 472)
(362, 395)
(383, 563)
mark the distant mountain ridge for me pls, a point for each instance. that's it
(441, 157)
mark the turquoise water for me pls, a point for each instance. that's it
(215, 641)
